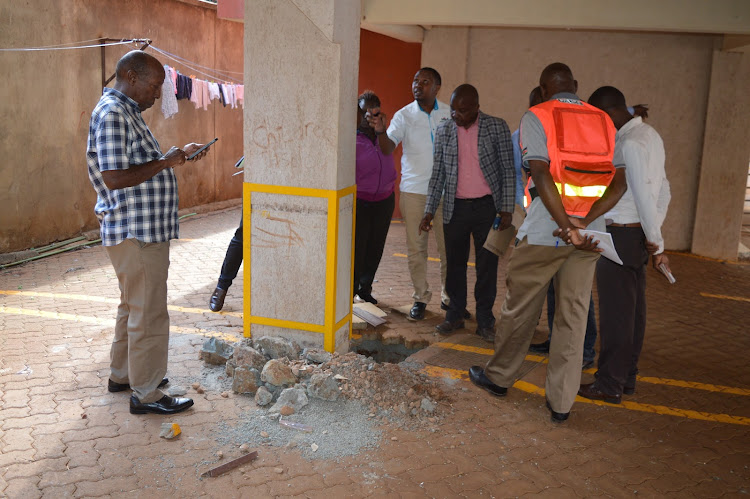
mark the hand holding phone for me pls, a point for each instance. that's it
(201, 149)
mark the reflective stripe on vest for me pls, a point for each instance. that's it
(585, 191)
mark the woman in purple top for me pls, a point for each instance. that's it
(376, 177)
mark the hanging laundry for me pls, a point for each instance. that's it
(168, 97)
(241, 95)
(173, 77)
(206, 97)
(225, 94)
(197, 95)
(184, 87)
(213, 90)
(221, 95)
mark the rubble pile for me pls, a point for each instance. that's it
(280, 374)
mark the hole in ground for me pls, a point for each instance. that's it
(382, 353)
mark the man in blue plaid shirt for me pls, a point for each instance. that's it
(137, 208)
(473, 172)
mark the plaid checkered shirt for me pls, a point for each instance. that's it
(118, 140)
(495, 160)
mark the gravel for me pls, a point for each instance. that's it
(341, 428)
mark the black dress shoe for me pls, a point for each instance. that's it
(542, 347)
(113, 387)
(165, 405)
(628, 390)
(446, 307)
(217, 299)
(487, 333)
(417, 311)
(593, 392)
(368, 298)
(477, 376)
(557, 417)
(448, 327)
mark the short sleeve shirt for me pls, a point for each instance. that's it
(119, 140)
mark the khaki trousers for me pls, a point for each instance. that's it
(412, 209)
(529, 271)
(139, 349)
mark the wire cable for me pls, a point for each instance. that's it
(217, 75)
(34, 49)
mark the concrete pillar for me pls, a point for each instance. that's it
(301, 60)
(447, 50)
(726, 153)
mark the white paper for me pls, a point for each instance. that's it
(605, 243)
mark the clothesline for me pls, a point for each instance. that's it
(200, 92)
(222, 72)
(65, 47)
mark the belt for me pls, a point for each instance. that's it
(474, 200)
(636, 224)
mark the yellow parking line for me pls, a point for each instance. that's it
(725, 297)
(527, 387)
(101, 299)
(645, 379)
(110, 322)
(429, 258)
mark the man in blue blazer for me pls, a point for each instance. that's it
(473, 172)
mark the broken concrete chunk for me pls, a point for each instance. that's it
(170, 430)
(216, 351)
(277, 373)
(177, 391)
(247, 356)
(323, 386)
(293, 397)
(428, 405)
(277, 348)
(287, 410)
(245, 380)
(263, 397)
(316, 355)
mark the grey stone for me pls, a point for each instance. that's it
(230, 368)
(216, 351)
(277, 348)
(263, 397)
(316, 355)
(323, 386)
(247, 356)
(294, 398)
(428, 405)
(176, 391)
(245, 380)
(275, 372)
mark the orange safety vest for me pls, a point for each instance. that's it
(580, 144)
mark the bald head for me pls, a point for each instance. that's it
(465, 105)
(611, 101)
(139, 76)
(556, 78)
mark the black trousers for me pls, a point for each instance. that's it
(622, 310)
(373, 222)
(232, 260)
(472, 218)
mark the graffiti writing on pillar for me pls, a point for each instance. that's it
(281, 235)
(273, 142)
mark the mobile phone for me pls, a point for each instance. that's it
(201, 149)
(667, 273)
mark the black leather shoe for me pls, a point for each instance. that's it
(477, 376)
(165, 405)
(368, 298)
(592, 392)
(446, 307)
(557, 417)
(217, 299)
(487, 333)
(417, 311)
(628, 390)
(542, 347)
(113, 387)
(448, 327)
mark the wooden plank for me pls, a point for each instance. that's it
(220, 470)
(371, 319)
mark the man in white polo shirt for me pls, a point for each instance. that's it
(414, 125)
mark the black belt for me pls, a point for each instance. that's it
(488, 197)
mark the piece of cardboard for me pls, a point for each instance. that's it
(498, 241)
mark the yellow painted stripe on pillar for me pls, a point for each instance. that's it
(247, 232)
(115, 301)
(303, 326)
(645, 379)
(331, 254)
(527, 387)
(726, 297)
(351, 280)
(110, 322)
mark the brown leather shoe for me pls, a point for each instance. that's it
(447, 327)
(217, 299)
(591, 391)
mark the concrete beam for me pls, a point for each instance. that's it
(692, 16)
(405, 33)
(736, 43)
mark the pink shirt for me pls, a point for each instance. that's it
(471, 181)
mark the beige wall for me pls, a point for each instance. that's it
(670, 72)
(47, 99)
